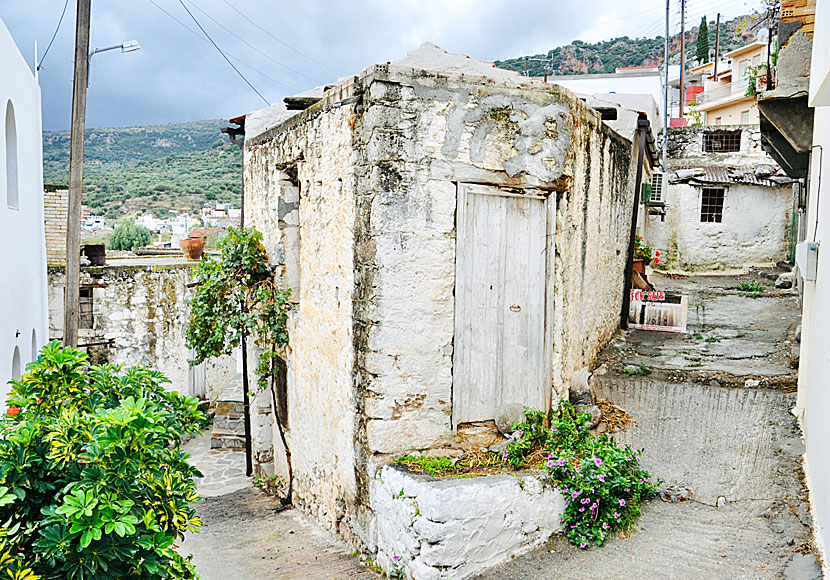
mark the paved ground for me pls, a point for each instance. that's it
(245, 536)
(736, 443)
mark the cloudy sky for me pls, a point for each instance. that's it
(287, 47)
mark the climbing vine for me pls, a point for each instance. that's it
(235, 296)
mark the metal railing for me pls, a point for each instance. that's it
(737, 88)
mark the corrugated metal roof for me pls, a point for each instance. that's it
(765, 175)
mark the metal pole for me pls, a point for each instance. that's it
(682, 52)
(642, 127)
(76, 175)
(246, 403)
(771, 14)
(666, 88)
(717, 45)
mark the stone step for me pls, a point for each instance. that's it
(232, 442)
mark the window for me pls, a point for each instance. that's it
(717, 120)
(744, 68)
(722, 141)
(711, 204)
(657, 186)
(756, 60)
(12, 195)
(85, 309)
(745, 117)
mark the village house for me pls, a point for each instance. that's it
(455, 237)
(23, 264)
(728, 92)
(721, 203)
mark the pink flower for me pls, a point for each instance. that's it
(605, 526)
(601, 478)
(550, 463)
(582, 509)
(582, 545)
(550, 455)
(622, 502)
(602, 534)
(575, 494)
(617, 515)
(598, 461)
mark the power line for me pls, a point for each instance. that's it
(286, 45)
(236, 58)
(60, 20)
(248, 44)
(223, 54)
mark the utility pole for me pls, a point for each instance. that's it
(76, 176)
(666, 87)
(682, 52)
(717, 45)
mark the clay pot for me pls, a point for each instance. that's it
(640, 265)
(193, 248)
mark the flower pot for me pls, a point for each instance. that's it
(193, 248)
(640, 265)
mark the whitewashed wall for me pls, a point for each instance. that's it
(373, 169)
(814, 394)
(755, 228)
(23, 302)
(144, 310)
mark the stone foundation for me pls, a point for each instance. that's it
(453, 528)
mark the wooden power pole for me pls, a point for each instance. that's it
(76, 176)
(682, 53)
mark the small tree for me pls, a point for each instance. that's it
(129, 235)
(93, 482)
(237, 295)
(703, 41)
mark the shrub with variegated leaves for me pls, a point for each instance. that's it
(93, 482)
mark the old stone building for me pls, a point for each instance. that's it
(722, 203)
(455, 238)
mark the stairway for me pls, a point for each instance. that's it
(228, 421)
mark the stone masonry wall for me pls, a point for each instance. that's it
(55, 208)
(306, 174)
(371, 172)
(144, 310)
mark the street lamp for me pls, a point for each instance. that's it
(129, 46)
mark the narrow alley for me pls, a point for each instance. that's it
(711, 409)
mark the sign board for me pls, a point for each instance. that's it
(658, 310)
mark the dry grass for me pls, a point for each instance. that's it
(615, 418)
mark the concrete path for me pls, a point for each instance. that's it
(739, 445)
(245, 536)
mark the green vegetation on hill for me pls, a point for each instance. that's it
(606, 56)
(129, 169)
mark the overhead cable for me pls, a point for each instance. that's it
(60, 20)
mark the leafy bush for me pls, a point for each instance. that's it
(129, 235)
(602, 482)
(97, 486)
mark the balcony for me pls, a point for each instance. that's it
(734, 89)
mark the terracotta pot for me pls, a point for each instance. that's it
(193, 248)
(640, 265)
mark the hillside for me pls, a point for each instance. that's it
(182, 165)
(605, 57)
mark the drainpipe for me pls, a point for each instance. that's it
(642, 130)
(232, 134)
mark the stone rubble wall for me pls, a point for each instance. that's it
(144, 310)
(371, 175)
(306, 175)
(55, 209)
(453, 528)
(685, 148)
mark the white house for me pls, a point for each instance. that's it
(814, 394)
(23, 314)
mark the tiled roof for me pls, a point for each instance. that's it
(766, 175)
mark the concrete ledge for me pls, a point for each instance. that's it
(452, 528)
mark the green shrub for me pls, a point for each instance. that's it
(602, 483)
(98, 487)
(129, 235)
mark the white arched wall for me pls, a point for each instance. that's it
(23, 298)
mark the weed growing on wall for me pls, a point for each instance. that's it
(603, 483)
(93, 482)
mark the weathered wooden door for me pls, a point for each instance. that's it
(500, 348)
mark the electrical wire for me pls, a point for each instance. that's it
(251, 46)
(253, 88)
(236, 58)
(286, 45)
(60, 20)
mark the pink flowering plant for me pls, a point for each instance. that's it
(601, 481)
